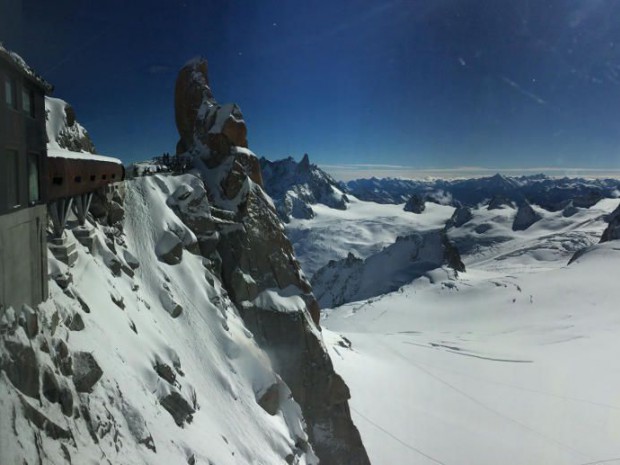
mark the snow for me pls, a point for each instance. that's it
(286, 300)
(224, 112)
(129, 330)
(514, 362)
(63, 153)
(56, 123)
(363, 228)
(353, 279)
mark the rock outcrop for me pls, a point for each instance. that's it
(415, 204)
(526, 216)
(499, 201)
(460, 216)
(63, 129)
(612, 232)
(255, 260)
(352, 279)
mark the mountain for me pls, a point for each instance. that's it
(385, 190)
(553, 194)
(295, 187)
(185, 332)
(410, 257)
(63, 130)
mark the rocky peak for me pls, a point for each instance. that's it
(304, 164)
(200, 119)
(295, 187)
(525, 217)
(415, 204)
(460, 216)
(256, 265)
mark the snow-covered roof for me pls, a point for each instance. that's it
(62, 153)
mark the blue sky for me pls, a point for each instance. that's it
(423, 84)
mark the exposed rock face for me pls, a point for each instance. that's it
(21, 368)
(86, 371)
(525, 217)
(415, 204)
(295, 187)
(204, 124)
(63, 128)
(612, 232)
(248, 247)
(352, 279)
(569, 210)
(499, 201)
(460, 216)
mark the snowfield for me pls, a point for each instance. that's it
(513, 362)
(363, 229)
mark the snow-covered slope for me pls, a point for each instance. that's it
(296, 187)
(63, 131)
(412, 256)
(181, 376)
(185, 332)
(511, 363)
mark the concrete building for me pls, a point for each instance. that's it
(23, 215)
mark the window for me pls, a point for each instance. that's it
(33, 178)
(11, 178)
(9, 92)
(28, 101)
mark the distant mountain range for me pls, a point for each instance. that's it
(552, 194)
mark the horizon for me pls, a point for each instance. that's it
(352, 172)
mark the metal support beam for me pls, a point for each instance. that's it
(58, 210)
(81, 205)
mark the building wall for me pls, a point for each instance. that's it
(23, 257)
(23, 216)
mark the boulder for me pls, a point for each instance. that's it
(22, 368)
(169, 248)
(50, 387)
(270, 399)
(170, 304)
(29, 321)
(178, 407)
(130, 259)
(65, 399)
(86, 371)
(165, 372)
